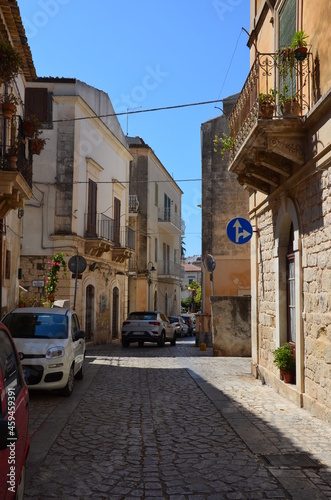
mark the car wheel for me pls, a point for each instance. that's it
(81, 371)
(21, 485)
(67, 390)
(173, 341)
(125, 343)
(141, 343)
(160, 343)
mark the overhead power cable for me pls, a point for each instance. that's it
(136, 111)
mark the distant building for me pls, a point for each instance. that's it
(192, 273)
(155, 215)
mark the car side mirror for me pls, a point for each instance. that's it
(79, 335)
(6, 434)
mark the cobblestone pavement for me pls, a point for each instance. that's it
(174, 423)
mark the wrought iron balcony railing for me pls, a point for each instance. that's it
(101, 226)
(133, 203)
(168, 215)
(169, 268)
(279, 80)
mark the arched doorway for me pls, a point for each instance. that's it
(89, 312)
(115, 313)
(288, 273)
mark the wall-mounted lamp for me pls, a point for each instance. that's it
(94, 266)
(152, 266)
(20, 213)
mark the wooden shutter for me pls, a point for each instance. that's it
(117, 216)
(92, 209)
(36, 104)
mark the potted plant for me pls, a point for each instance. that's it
(9, 102)
(299, 45)
(37, 144)
(31, 126)
(284, 360)
(289, 105)
(267, 104)
(225, 143)
(57, 262)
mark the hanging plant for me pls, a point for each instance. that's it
(52, 280)
(10, 62)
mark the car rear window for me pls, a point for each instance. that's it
(173, 319)
(41, 326)
(142, 316)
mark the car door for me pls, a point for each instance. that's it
(78, 345)
(14, 409)
(169, 327)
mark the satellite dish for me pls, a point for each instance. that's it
(209, 262)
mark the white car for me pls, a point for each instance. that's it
(50, 345)
(148, 326)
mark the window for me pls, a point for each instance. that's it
(167, 205)
(36, 103)
(287, 28)
(156, 194)
(156, 250)
(117, 220)
(9, 368)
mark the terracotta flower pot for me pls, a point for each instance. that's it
(266, 110)
(28, 128)
(290, 109)
(300, 53)
(8, 109)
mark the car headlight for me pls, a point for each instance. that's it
(55, 352)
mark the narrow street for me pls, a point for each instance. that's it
(174, 423)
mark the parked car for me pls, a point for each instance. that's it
(190, 321)
(51, 346)
(148, 326)
(14, 420)
(181, 327)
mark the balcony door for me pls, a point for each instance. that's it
(117, 220)
(91, 229)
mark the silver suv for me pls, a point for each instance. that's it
(50, 344)
(145, 326)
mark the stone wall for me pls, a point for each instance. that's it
(231, 323)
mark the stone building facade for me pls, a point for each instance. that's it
(285, 164)
(222, 200)
(80, 204)
(155, 215)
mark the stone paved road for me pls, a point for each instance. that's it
(174, 423)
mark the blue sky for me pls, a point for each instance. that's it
(147, 54)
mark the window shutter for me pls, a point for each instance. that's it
(36, 103)
(287, 22)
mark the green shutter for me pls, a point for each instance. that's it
(287, 22)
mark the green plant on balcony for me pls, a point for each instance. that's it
(289, 104)
(267, 104)
(299, 45)
(223, 144)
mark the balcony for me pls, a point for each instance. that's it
(104, 235)
(168, 268)
(15, 175)
(133, 204)
(170, 220)
(268, 149)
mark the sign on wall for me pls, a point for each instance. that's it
(239, 230)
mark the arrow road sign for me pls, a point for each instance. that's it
(239, 230)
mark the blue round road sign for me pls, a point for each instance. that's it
(239, 230)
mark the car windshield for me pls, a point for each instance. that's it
(33, 326)
(142, 316)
